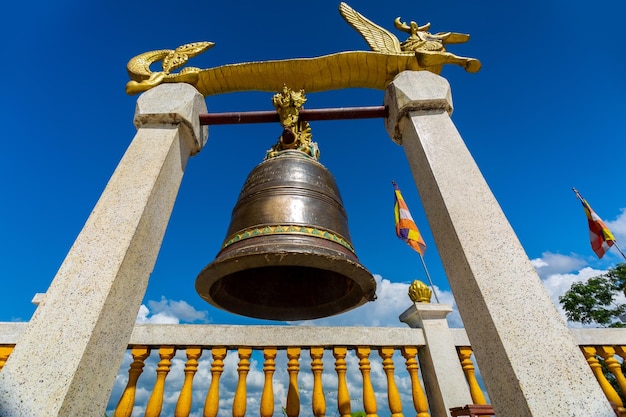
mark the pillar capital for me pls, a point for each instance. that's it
(415, 91)
(415, 315)
(174, 104)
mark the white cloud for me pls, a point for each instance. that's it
(559, 272)
(618, 226)
(170, 312)
(554, 263)
(392, 301)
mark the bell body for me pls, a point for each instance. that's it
(287, 253)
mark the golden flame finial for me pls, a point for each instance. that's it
(419, 292)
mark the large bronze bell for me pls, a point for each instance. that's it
(287, 253)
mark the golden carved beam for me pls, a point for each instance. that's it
(422, 51)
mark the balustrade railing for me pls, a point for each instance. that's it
(302, 354)
(267, 402)
(292, 407)
(594, 355)
(465, 356)
(5, 351)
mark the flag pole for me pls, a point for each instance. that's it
(619, 250)
(430, 281)
(407, 230)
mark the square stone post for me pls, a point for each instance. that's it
(66, 361)
(529, 360)
(444, 380)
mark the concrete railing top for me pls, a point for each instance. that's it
(253, 336)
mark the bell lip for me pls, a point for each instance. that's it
(363, 290)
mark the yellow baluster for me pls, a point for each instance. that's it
(155, 403)
(343, 395)
(465, 356)
(621, 351)
(317, 367)
(212, 402)
(5, 352)
(267, 398)
(613, 365)
(293, 395)
(594, 363)
(419, 399)
(127, 400)
(369, 399)
(183, 405)
(393, 396)
(239, 402)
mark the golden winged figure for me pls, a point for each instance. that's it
(422, 51)
(429, 49)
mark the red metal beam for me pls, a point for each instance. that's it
(343, 113)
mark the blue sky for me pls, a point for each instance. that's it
(545, 114)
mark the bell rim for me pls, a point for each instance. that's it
(364, 289)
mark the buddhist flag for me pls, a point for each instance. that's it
(405, 226)
(600, 235)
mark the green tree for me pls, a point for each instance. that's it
(594, 301)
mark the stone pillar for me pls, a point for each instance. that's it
(529, 360)
(444, 380)
(66, 361)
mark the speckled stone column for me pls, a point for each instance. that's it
(66, 361)
(444, 380)
(529, 360)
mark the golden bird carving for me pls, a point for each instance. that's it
(428, 48)
(377, 37)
